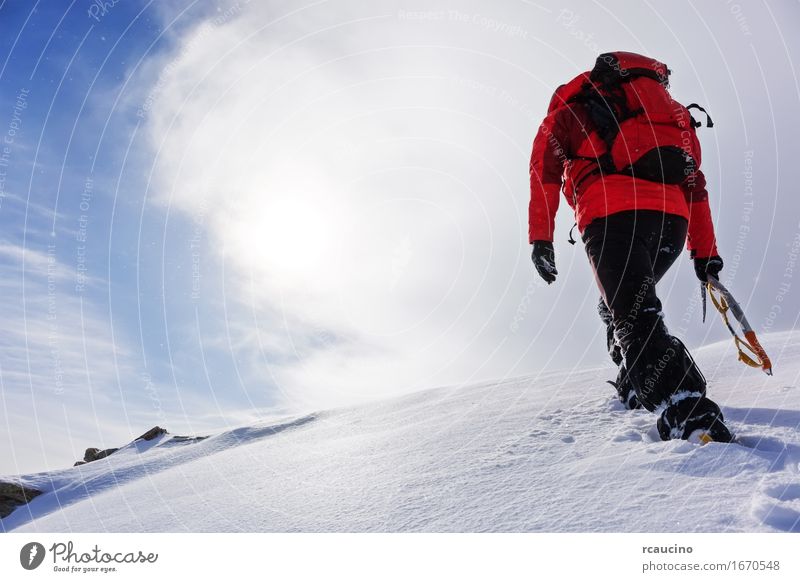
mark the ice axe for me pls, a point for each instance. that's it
(750, 350)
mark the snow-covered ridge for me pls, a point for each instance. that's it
(553, 452)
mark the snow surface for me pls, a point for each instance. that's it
(549, 453)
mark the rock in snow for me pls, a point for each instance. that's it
(552, 452)
(95, 454)
(13, 495)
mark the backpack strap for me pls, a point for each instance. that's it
(607, 108)
(695, 123)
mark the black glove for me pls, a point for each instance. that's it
(544, 260)
(707, 266)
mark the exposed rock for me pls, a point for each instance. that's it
(93, 454)
(12, 495)
(154, 432)
(103, 454)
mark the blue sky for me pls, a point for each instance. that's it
(90, 270)
(213, 212)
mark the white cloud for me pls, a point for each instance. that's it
(345, 180)
(360, 171)
(43, 263)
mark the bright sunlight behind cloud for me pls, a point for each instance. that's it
(358, 173)
(344, 182)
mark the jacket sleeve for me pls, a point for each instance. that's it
(550, 149)
(701, 241)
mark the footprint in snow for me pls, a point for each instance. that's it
(778, 506)
(785, 492)
(628, 436)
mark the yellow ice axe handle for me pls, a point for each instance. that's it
(726, 302)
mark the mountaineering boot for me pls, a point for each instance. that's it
(690, 416)
(625, 391)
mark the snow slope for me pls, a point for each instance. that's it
(547, 453)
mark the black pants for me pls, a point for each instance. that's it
(630, 252)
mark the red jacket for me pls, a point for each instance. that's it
(563, 138)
